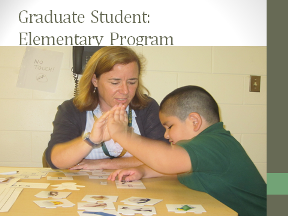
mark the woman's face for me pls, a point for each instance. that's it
(117, 86)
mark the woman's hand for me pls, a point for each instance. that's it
(99, 132)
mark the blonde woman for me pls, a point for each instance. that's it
(112, 76)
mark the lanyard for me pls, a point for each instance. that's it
(104, 148)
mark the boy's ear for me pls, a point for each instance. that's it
(196, 120)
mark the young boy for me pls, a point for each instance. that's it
(206, 158)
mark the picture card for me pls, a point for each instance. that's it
(59, 178)
(54, 203)
(93, 198)
(102, 213)
(53, 194)
(30, 185)
(183, 208)
(131, 210)
(8, 181)
(100, 173)
(98, 176)
(80, 173)
(130, 184)
(141, 201)
(94, 206)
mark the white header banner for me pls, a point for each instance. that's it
(133, 23)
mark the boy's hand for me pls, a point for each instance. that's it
(117, 121)
(130, 174)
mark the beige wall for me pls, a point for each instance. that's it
(27, 115)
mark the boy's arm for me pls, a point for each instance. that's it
(156, 154)
(133, 174)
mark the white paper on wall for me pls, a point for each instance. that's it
(40, 69)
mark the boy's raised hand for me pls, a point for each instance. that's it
(117, 121)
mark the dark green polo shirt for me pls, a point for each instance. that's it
(222, 168)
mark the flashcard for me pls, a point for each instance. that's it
(103, 183)
(80, 173)
(30, 185)
(35, 174)
(67, 185)
(102, 213)
(98, 176)
(54, 203)
(29, 176)
(102, 173)
(131, 210)
(53, 194)
(130, 185)
(8, 181)
(183, 208)
(141, 201)
(93, 198)
(59, 178)
(94, 206)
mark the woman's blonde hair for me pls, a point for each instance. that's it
(101, 62)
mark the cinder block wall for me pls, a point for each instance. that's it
(27, 115)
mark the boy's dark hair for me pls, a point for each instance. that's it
(184, 100)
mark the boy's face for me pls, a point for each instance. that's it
(176, 129)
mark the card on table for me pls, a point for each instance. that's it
(98, 176)
(130, 185)
(30, 185)
(53, 194)
(131, 210)
(141, 201)
(54, 203)
(93, 198)
(100, 173)
(94, 206)
(183, 208)
(60, 178)
(80, 173)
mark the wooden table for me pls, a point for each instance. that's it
(167, 188)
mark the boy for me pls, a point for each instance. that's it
(206, 158)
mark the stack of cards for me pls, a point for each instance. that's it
(53, 194)
(54, 203)
(140, 201)
(183, 208)
(130, 185)
(131, 210)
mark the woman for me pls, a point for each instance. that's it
(112, 76)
